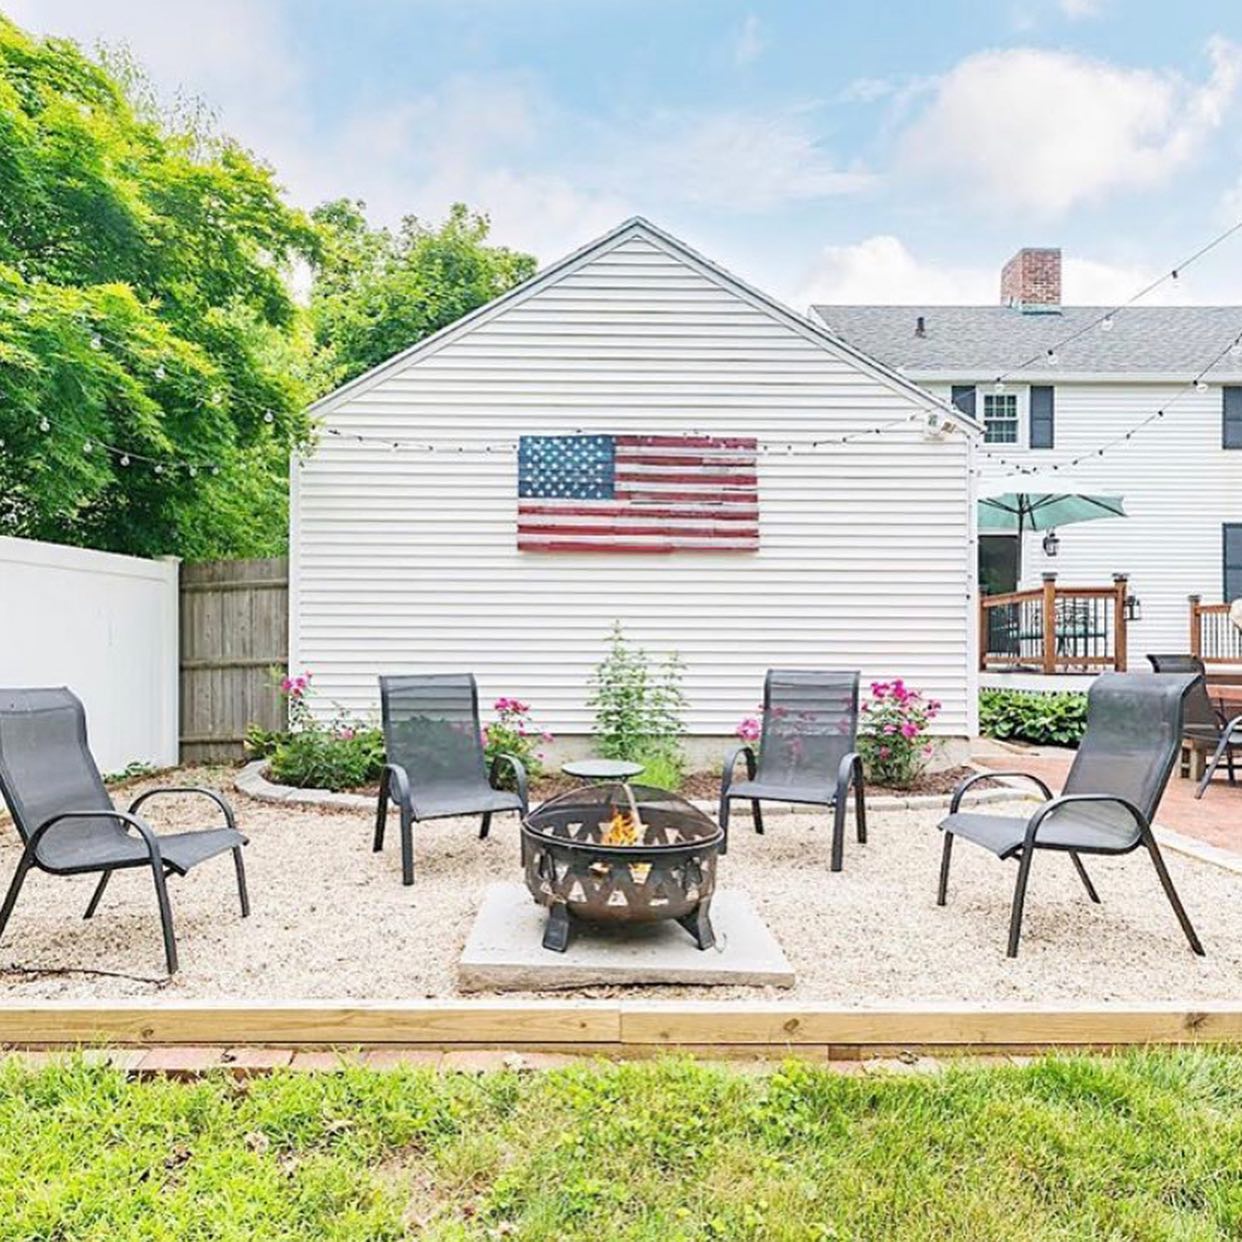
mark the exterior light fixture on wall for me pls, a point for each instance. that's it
(1052, 544)
(1134, 608)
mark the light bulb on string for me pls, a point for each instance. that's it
(999, 386)
(96, 341)
(193, 472)
(44, 425)
(217, 397)
(269, 417)
(215, 470)
(124, 459)
(159, 467)
(1201, 385)
(87, 447)
(160, 372)
(1106, 324)
(1053, 358)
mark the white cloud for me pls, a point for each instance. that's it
(1076, 10)
(881, 270)
(1047, 130)
(744, 161)
(749, 44)
(866, 90)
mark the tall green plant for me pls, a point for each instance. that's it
(638, 707)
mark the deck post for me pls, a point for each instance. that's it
(1196, 633)
(1120, 639)
(983, 633)
(1050, 623)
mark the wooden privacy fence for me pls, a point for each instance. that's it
(234, 628)
(1055, 629)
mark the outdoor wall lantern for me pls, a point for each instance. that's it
(1051, 543)
(1134, 608)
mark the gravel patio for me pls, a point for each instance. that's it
(332, 920)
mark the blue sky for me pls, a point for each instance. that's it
(843, 151)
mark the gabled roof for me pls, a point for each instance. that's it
(985, 341)
(637, 226)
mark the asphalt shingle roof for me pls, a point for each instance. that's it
(989, 340)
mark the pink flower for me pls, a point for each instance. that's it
(546, 736)
(286, 684)
(909, 730)
(927, 750)
(884, 752)
(748, 730)
(346, 734)
(890, 728)
(502, 704)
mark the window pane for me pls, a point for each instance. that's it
(964, 398)
(1000, 418)
(1233, 560)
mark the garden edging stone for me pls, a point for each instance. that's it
(252, 782)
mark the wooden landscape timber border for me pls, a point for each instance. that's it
(618, 1028)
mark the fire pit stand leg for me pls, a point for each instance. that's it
(699, 925)
(556, 932)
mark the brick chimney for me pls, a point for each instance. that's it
(1031, 280)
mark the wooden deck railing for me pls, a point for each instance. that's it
(1055, 629)
(1213, 637)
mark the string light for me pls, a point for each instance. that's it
(1106, 324)
(44, 425)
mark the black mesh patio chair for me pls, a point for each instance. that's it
(1133, 734)
(68, 822)
(806, 752)
(1204, 727)
(436, 767)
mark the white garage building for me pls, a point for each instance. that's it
(634, 435)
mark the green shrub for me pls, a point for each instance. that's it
(341, 758)
(638, 708)
(663, 771)
(1046, 719)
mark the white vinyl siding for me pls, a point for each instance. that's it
(1179, 488)
(407, 561)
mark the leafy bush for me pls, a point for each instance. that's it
(321, 758)
(1044, 718)
(513, 732)
(638, 708)
(662, 771)
(892, 737)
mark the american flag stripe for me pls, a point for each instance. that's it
(638, 493)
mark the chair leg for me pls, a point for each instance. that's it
(1170, 892)
(946, 854)
(838, 834)
(166, 919)
(381, 816)
(407, 848)
(243, 896)
(1233, 780)
(486, 826)
(99, 892)
(757, 815)
(1084, 877)
(19, 878)
(1217, 755)
(1019, 900)
(860, 810)
(724, 824)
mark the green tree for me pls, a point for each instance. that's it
(152, 375)
(377, 292)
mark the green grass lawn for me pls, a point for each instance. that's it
(1144, 1146)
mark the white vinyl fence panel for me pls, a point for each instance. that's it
(106, 627)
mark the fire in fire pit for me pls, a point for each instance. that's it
(617, 853)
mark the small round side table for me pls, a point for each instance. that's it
(602, 769)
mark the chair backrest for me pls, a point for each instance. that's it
(431, 727)
(1198, 715)
(1175, 662)
(810, 722)
(46, 766)
(1132, 739)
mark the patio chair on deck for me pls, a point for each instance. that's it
(806, 752)
(67, 820)
(436, 767)
(1205, 726)
(1134, 730)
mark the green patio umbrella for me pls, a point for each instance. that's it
(1040, 502)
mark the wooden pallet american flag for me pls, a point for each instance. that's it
(656, 493)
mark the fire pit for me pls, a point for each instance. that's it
(618, 853)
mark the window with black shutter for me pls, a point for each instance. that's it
(1231, 417)
(1233, 560)
(964, 398)
(1043, 416)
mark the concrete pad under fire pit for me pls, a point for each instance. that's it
(504, 952)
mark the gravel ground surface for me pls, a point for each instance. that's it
(331, 918)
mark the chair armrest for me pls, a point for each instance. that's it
(519, 776)
(144, 830)
(726, 775)
(1056, 804)
(1228, 726)
(983, 776)
(215, 797)
(397, 782)
(849, 770)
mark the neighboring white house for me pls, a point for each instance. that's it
(1180, 474)
(407, 558)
